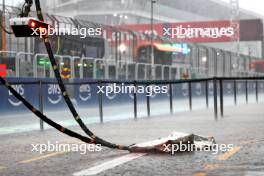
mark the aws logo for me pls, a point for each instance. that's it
(112, 94)
(54, 94)
(239, 88)
(185, 89)
(151, 91)
(229, 88)
(211, 88)
(12, 100)
(261, 87)
(85, 92)
(198, 89)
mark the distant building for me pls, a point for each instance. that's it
(116, 12)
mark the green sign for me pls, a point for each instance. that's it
(44, 62)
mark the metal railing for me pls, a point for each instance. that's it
(91, 67)
(216, 88)
(105, 68)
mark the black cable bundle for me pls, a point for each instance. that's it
(65, 94)
(92, 138)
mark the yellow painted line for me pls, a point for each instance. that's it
(41, 157)
(249, 142)
(199, 174)
(228, 154)
(223, 157)
(209, 167)
(50, 154)
(252, 141)
(2, 168)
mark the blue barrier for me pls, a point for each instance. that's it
(84, 93)
(9, 103)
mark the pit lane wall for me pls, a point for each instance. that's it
(84, 93)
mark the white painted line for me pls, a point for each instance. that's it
(109, 164)
(253, 173)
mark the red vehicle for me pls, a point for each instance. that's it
(3, 72)
(162, 53)
(257, 66)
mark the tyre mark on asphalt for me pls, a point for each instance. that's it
(37, 158)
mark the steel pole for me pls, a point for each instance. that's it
(151, 41)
